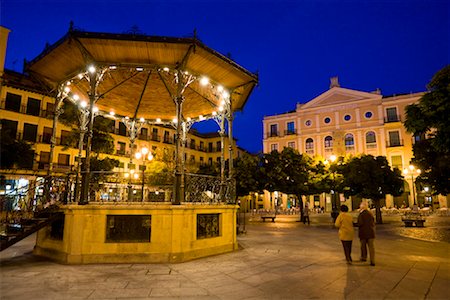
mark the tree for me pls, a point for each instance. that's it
(430, 116)
(371, 178)
(246, 172)
(14, 153)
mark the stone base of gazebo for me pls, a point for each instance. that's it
(138, 233)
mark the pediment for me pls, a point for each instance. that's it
(338, 95)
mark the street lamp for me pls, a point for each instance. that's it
(144, 154)
(412, 170)
(334, 201)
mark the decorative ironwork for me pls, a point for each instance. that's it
(202, 188)
(128, 228)
(208, 225)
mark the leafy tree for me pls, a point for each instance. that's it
(431, 116)
(271, 172)
(246, 172)
(14, 153)
(372, 178)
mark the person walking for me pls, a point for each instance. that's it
(306, 213)
(366, 224)
(344, 222)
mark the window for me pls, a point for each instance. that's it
(65, 137)
(347, 118)
(144, 134)
(394, 139)
(210, 161)
(202, 146)
(219, 146)
(192, 159)
(30, 132)
(120, 148)
(47, 135)
(368, 114)
(290, 128)
(397, 162)
(208, 226)
(122, 129)
(131, 166)
(309, 145)
(128, 228)
(63, 159)
(49, 110)
(308, 123)
(349, 142)
(371, 140)
(155, 134)
(210, 147)
(291, 145)
(391, 115)
(33, 107)
(44, 160)
(328, 142)
(110, 125)
(327, 120)
(202, 160)
(9, 128)
(218, 160)
(192, 144)
(273, 147)
(273, 130)
(13, 102)
(166, 137)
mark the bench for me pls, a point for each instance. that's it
(268, 217)
(413, 220)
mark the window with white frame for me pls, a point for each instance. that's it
(328, 143)
(371, 140)
(309, 146)
(273, 147)
(291, 145)
(349, 142)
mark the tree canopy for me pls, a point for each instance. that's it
(430, 116)
(371, 178)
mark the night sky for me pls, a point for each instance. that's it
(295, 46)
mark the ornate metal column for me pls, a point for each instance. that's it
(84, 120)
(56, 113)
(178, 196)
(220, 120)
(231, 182)
(94, 77)
(133, 128)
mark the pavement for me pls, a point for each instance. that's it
(281, 260)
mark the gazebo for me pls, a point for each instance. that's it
(140, 79)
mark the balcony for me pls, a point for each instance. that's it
(392, 119)
(290, 132)
(394, 143)
(156, 138)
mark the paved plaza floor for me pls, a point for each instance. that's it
(281, 260)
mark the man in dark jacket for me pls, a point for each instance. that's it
(366, 224)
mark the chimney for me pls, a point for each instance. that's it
(334, 82)
(4, 32)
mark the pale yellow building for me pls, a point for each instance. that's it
(344, 122)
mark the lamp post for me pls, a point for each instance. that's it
(412, 170)
(144, 154)
(334, 204)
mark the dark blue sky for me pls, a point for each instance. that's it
(296, 46)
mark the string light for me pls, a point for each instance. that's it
(75, 97)
(139, 69)
(91, 69)
(95, 109)
(142, 120)
(158, 120)
(204, 81)
(166, 69)
(67, 89)
(83, 104)
(111, 113)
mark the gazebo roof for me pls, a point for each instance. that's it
(139, 73)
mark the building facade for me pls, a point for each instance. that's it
(343, 122)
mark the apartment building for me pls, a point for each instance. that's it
(344, 122)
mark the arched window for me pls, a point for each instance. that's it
(349, 141)
(328, 142)
(371, 139)
(309, 146)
